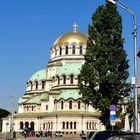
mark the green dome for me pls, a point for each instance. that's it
(69, 69)
(40, 75)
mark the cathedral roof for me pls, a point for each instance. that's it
(39, 75)
(36, 99)
(45, 96)
(54, 113)
(72, 37)
(24, 98)
(69, 69)
(70, 94)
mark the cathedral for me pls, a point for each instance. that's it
(52, 101)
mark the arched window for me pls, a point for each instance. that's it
(79, 104)
(46, 107)
(26, 124)
(44, 126)
(63, 125)
(36, 84)
(71, 79)
(32, 108)
(27, 108)
(70, 125)
(49, 125)
(67, 125)
(62, 104)
(70, 104)
(64, 79)
(81, 50)
(43, 84)
(32, 125)
(74, 125)
(21, 125)
(87, 125)
(58, 79)
(73, 50)
(60, 50)
(66, 51)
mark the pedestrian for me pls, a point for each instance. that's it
(14, 134)
(25, 134)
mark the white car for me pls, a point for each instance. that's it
(58, 134)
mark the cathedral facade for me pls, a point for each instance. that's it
(52, 101)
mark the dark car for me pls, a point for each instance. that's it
(87, 136)
(126, 137)
(104, 135)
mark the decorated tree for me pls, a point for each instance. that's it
(104, 74)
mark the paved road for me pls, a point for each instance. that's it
(65, 137)
(53, 138)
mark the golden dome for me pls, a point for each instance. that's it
(72, 37)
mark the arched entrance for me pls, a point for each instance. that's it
(26, 124)
(32, 125)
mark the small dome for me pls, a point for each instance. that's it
(40, 75)
(72, 37)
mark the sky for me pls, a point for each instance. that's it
(28, 29)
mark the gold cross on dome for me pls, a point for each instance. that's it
(75, 27)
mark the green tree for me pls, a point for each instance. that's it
(104, 74)
(3, 113)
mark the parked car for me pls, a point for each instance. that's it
(104, 135)
(83, 136)
(87, 136)
(58, 134)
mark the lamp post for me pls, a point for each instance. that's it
(134, 79)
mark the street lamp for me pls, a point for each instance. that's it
(135, 80)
